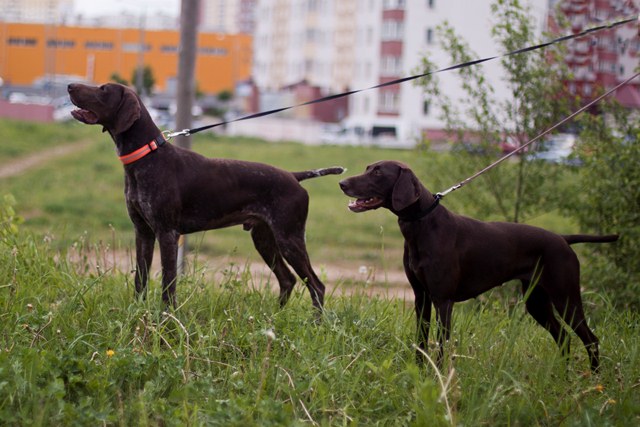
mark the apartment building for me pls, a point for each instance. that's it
(310, 41)
(607, 58)
(42, 11)
(228, 16)
(357, 44)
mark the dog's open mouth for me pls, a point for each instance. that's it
(85, 116)
(365, 204)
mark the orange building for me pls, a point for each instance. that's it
(31, 51)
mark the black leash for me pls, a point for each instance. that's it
(187, 132)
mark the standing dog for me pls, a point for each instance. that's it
(450, 258)
(172, 191)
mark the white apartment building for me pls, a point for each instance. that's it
(228, 16)
(304, 40)
(357, 44)
(40, 11)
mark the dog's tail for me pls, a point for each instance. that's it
(589, 238)
(301, 176)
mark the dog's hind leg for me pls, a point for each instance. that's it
(539, 306)
(564, 280)
(294, 252)
(265, 244)
(572, 313)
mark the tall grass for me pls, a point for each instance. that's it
(78, 349)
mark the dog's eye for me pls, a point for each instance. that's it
(377, 172)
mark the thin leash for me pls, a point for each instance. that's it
(186, 132)
(441, 195)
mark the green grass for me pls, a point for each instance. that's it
(78, 350)
(21, 138)
(82, 194)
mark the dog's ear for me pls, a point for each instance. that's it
(128, 112)
(406, 190)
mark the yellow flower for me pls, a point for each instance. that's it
(599, 388)
(110, 353)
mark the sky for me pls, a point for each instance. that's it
(97, 8)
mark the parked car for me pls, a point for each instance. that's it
(556, 149)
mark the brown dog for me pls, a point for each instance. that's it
(450, 258)
(171, 191)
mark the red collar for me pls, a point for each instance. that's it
(143, 151)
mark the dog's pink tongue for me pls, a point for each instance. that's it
(356, 206)
(85, 116)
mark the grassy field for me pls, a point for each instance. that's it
(81, 194)
(76, 349)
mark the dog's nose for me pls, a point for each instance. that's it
(343, 185)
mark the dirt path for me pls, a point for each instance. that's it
(339, 279)
(16, 167)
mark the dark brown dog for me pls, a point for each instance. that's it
(172, 191)
(450, 258)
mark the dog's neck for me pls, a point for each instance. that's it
(424, 206)
(136, 136)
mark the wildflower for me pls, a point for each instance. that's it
(270, 334)
(363, 269)
(30, 307)
(599, 388)
(110, 353)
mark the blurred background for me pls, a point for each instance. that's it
(256, 55)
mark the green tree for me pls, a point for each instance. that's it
(606, 199)
(537, 99)
(225, 95)
(148, 80)
(116, 77)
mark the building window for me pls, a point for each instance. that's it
(393, 5)
(60, 44)
(391, 65)
(212, 51)
(168, 49)
(389, 101)
(429, 36)
(98, 45)
(135, 47)
(392, 30)
(22, 41)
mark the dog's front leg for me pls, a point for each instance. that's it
(444, 308)
(168, 241)
(145, 241)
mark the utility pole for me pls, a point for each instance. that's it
(186, 87)
(139, 83)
